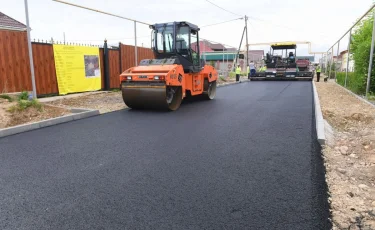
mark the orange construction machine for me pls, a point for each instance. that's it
(176, 72)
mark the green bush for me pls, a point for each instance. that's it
(24, 104)
(222, 78)
(360, 49)
(355, 82)
(232, 74)
(7, 97)
(23, 96)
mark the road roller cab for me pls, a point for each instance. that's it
(176, 71)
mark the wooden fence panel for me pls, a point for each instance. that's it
(45, 69)
(15, 74)
(114, 68)
(128, 55)
(145, 53)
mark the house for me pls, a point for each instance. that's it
(15, 70)
(8, 23)
(206, 46)
(344, 59)
(256, 56)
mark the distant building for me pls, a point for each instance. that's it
(8, 23)
(343, 62)
(206, 46)
(256, 56)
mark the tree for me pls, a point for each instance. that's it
(360, 49)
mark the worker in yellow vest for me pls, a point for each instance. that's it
(318, 70)
(238, 72)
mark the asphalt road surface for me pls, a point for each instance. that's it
(247, 160)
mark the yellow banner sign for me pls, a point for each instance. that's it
(77, 68)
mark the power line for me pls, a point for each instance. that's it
(223, 8)
(222, 22)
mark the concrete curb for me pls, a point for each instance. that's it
(77, 115)
(233, 83)
(319, 121)
(359, 97)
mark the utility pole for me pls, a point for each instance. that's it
(64, 38)
(30, 50)
(239, 48)
(135, 45)
(247, 43)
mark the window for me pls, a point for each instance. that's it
(164, 39)
(194, 47)
(182, 40)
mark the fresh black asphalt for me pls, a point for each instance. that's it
(247, 160)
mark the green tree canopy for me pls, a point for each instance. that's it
(360, 50)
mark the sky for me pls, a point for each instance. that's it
(321, 22)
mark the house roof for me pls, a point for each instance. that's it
(9, 23)
(231, 49)
(217, 46)
(203, 46)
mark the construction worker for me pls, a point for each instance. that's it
(318, 70)
(248, 71)
(252, 69)
(238, 72)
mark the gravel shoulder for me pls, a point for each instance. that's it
(349, 157)
(104, 102)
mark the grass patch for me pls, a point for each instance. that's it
(371, 96)
(222, 78)
(355, 82)
(7, 97)
(115, 90)
(23, 96)
(24, 104)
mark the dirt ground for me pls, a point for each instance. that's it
(105, 102)
(349, 157)
(8, 119)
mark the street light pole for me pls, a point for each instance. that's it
(30, 50)
(135, 45)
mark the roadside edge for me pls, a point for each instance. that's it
(319, 121)
(77, 114)
(232, 83)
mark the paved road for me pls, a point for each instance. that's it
(247, 160)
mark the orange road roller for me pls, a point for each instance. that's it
(176, 72)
